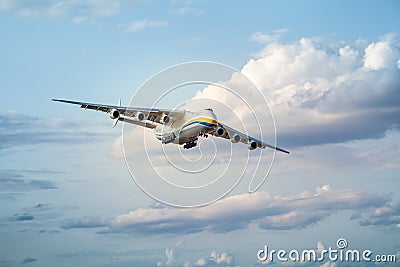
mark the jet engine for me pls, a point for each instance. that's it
(220, 131)
(114, 114)
(235, 138)
(164, 119)
(252, 145)
(140, 116)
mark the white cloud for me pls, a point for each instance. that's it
(221, 258)
(323, 92)
(386, 215)
(328, 264)
(201, 262)
(322, 189)
(262, 209)
(129, 142)
(320, 246)
(143, 24)
(170, 256)
(263, 38)
(215, 258)
(380, 55)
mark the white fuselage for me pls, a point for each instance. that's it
(188, 128)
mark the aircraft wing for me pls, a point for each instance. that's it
(147, 117)
(237, 136)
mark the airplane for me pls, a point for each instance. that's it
(180, 127)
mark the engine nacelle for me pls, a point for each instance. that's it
(140, 116)
(253, 145)
(220, 131)
(114, 114)
(164, 119)
(235, 138)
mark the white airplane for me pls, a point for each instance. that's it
(181, 127)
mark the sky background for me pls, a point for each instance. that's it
(329, 69)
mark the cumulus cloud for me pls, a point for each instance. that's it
(380, 55)
(323, 92)
(143, 24)
(216, 259)
(261, 208)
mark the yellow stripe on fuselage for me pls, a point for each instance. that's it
(200, 119)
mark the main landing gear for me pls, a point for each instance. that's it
(205, 135)
(194, 142)
(190, 144)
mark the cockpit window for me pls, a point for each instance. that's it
(210, 109)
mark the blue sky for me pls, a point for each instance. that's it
(330, 71)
